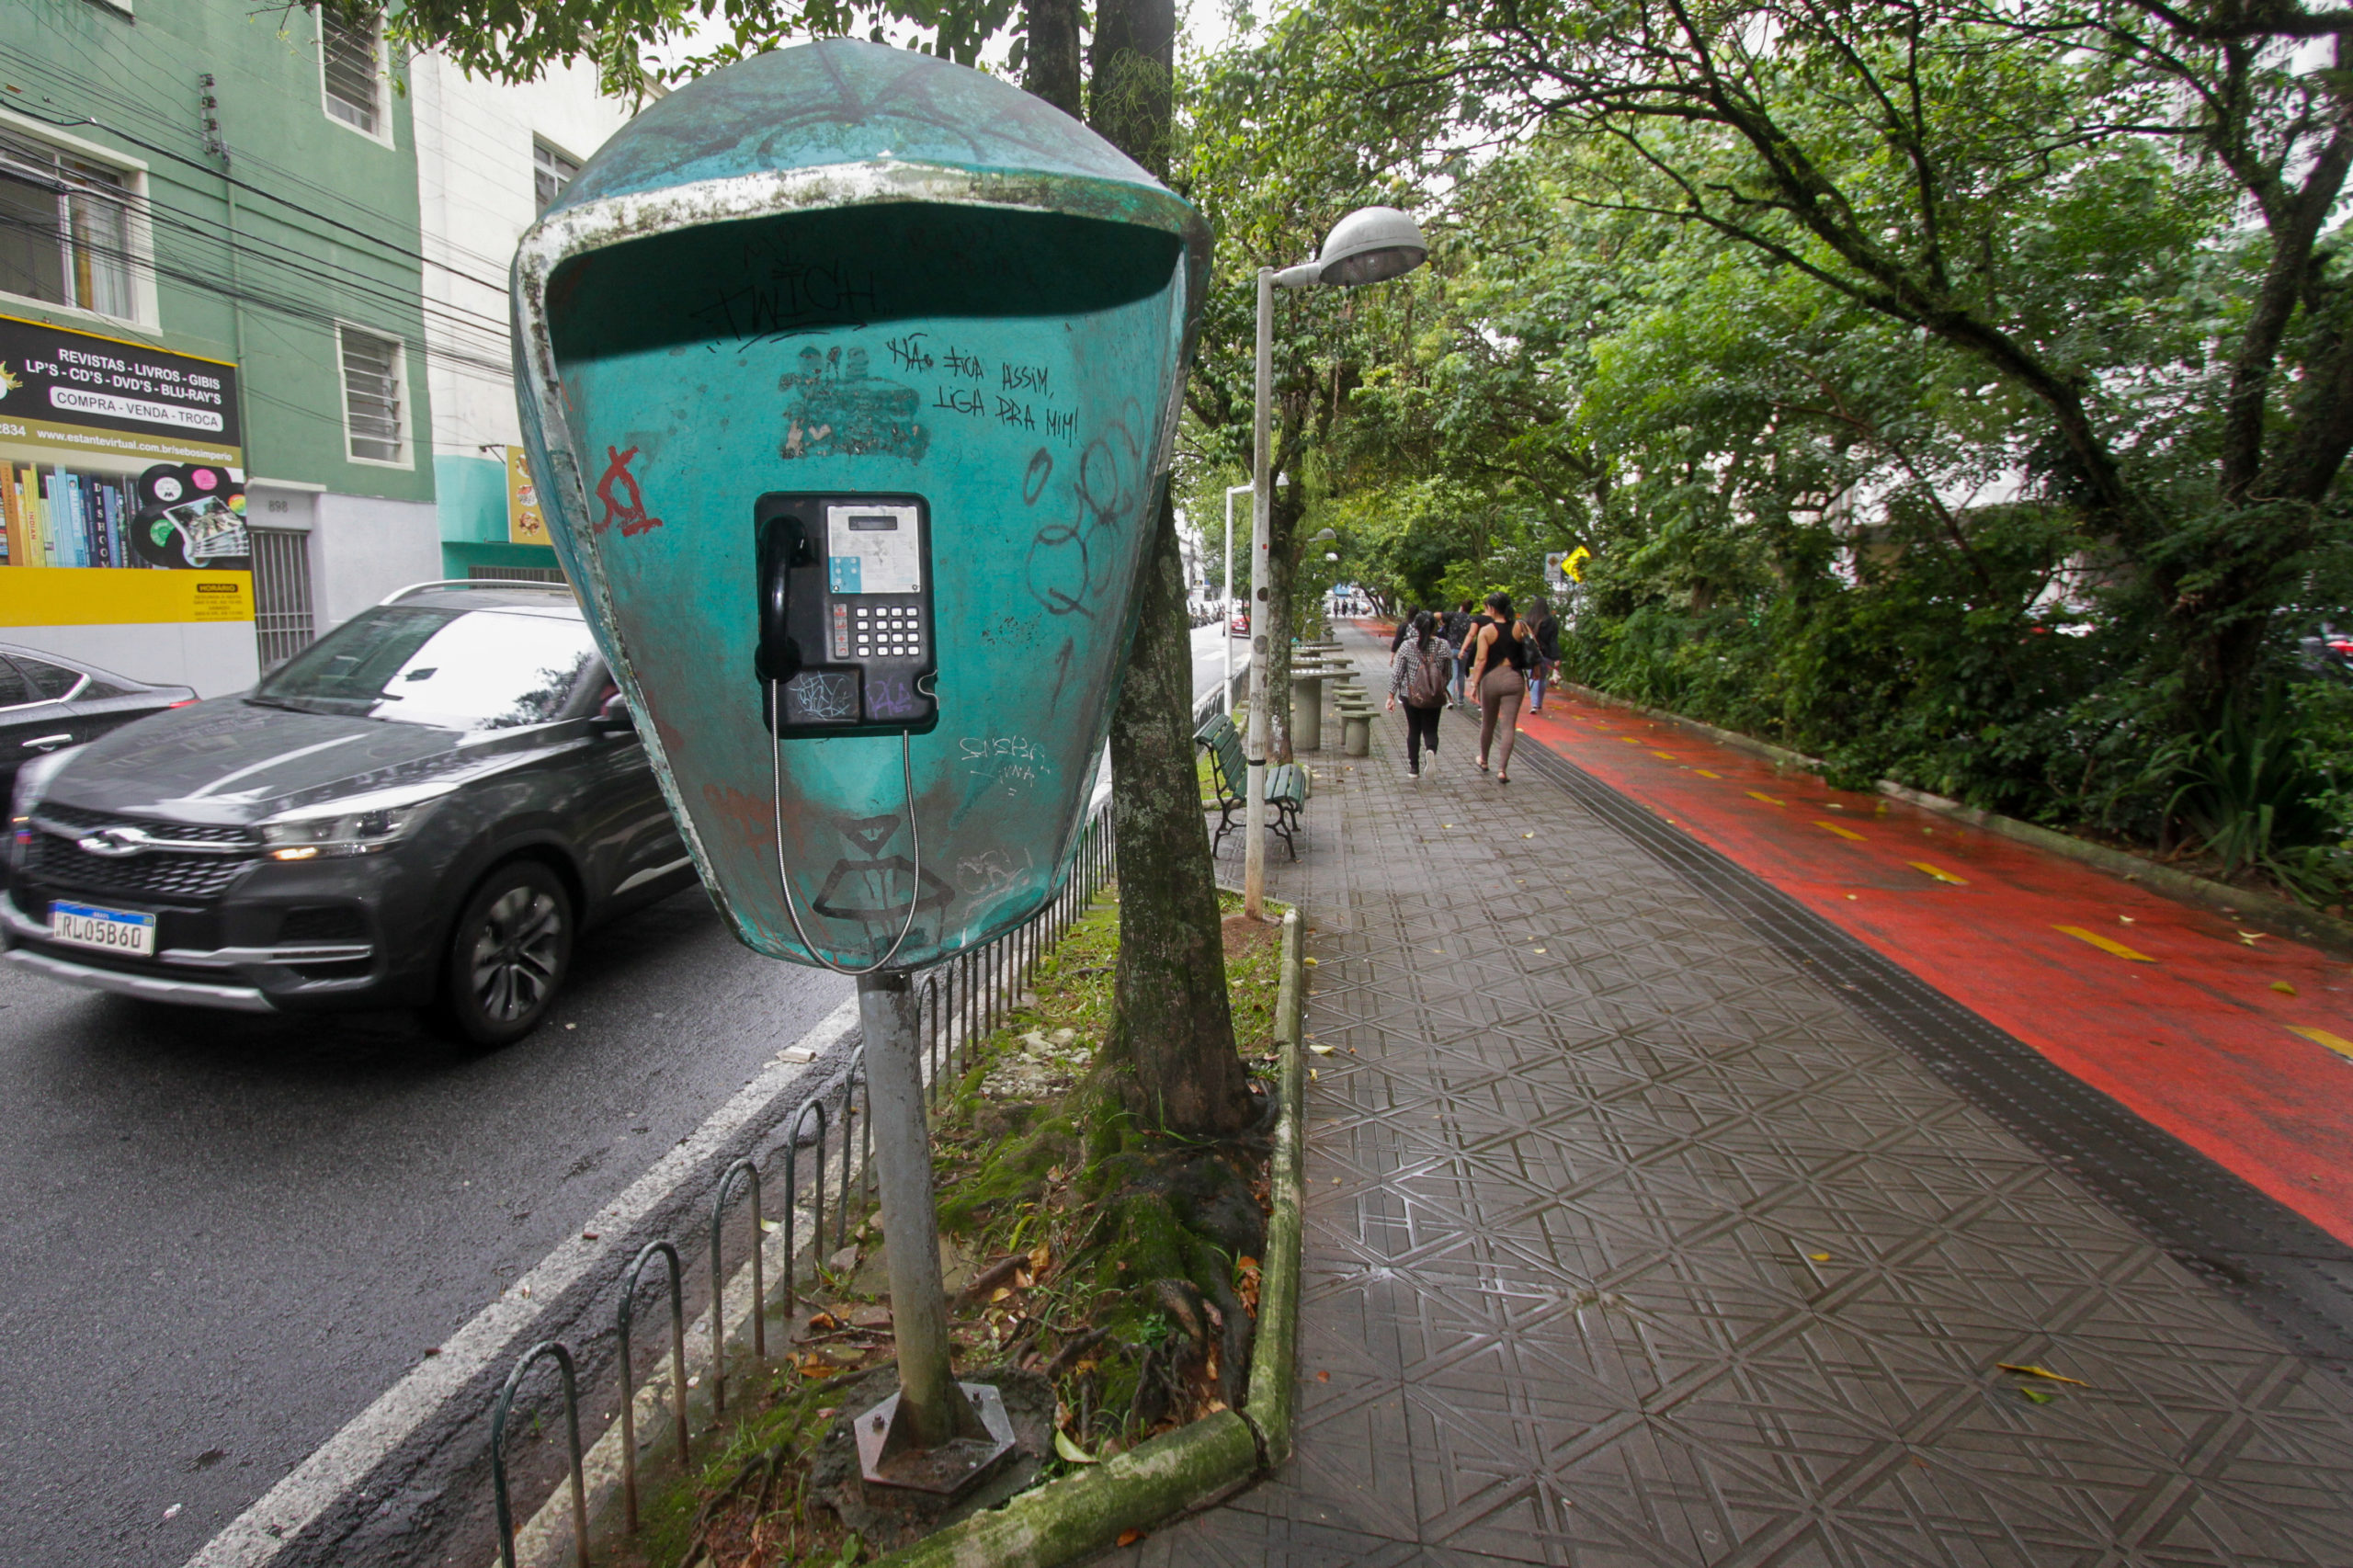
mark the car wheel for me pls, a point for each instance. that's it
(509, 955)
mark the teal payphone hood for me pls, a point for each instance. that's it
(850, 270)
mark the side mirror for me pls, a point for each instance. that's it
(614, 717)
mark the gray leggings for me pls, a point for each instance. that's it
(1499, 694)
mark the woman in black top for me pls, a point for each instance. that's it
(1499, 678)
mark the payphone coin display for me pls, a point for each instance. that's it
(846, 612)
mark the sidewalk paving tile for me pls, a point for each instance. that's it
(1649, 1248)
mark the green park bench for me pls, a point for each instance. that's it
(1229, 770)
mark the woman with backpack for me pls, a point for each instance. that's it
(1419, 672)
(1545, 656)
(1499, 678)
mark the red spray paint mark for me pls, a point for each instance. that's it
(629, 513)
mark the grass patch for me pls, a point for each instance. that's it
(1122, 1265)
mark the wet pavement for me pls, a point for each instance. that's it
(1653, 1219)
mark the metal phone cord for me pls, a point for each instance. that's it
(776, 821)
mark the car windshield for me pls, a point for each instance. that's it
(453, 669)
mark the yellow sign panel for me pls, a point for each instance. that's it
(525, 523)
(98, 595)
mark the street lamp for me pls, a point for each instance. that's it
(1369, 245)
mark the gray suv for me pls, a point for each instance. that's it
(422, 808)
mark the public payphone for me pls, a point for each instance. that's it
(847, 640)
(851, 375)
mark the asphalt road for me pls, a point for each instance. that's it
(226, 1235)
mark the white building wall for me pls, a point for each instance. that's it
(363, 548)
(475, 183)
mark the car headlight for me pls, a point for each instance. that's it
(359, 826)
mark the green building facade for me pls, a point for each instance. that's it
(209, 179)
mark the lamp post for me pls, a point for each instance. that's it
(1231, 598)
(1369, 245)
(1331, 599)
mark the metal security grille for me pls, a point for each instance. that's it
(514, 574)
(551, 172)
(281, 595)
(348, 53)
(372, 395)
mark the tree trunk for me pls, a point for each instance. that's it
(1134, 66)
(1049, 66)
(1170, 1049)
(1282, 577)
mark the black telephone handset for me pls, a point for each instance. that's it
(845, 605)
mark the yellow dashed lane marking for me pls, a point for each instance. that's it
(1841, 832)
(1760, 795)
(2336, 1043)
(1630, 740)
(1668, 755)
(1940, 873)
(2102, 943)
(1705, 774)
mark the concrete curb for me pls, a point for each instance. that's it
(1196, 1465)
(2279, 916)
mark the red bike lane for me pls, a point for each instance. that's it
(2239, 1043)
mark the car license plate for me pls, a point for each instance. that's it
(115, 931)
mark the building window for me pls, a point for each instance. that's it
(65, 229)
(375, 397)
(352, 64)
(551, 172)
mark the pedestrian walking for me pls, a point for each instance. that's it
(1418, 672)
(1457, 630)
(1544, 659)
(1499, 679)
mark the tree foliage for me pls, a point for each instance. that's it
(1956, 389)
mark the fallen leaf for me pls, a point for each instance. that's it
(1320, 1050)
(1323, 1377)
(823, 1320)
(1000, 1293)
(1819, 1257)
(2029, 1369)
(1130, 1537)
(2126, 920)
(2282, 987)
(588, 1235)
(1527, 835)
(771, 1224)
(1066, 1448)
(1039, 1257)
(1309, 962)
(2040, 1396)
(2249, 939)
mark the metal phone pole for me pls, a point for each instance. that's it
(1254, 812)
(934, 1434)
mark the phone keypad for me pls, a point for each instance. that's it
(887, 629)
